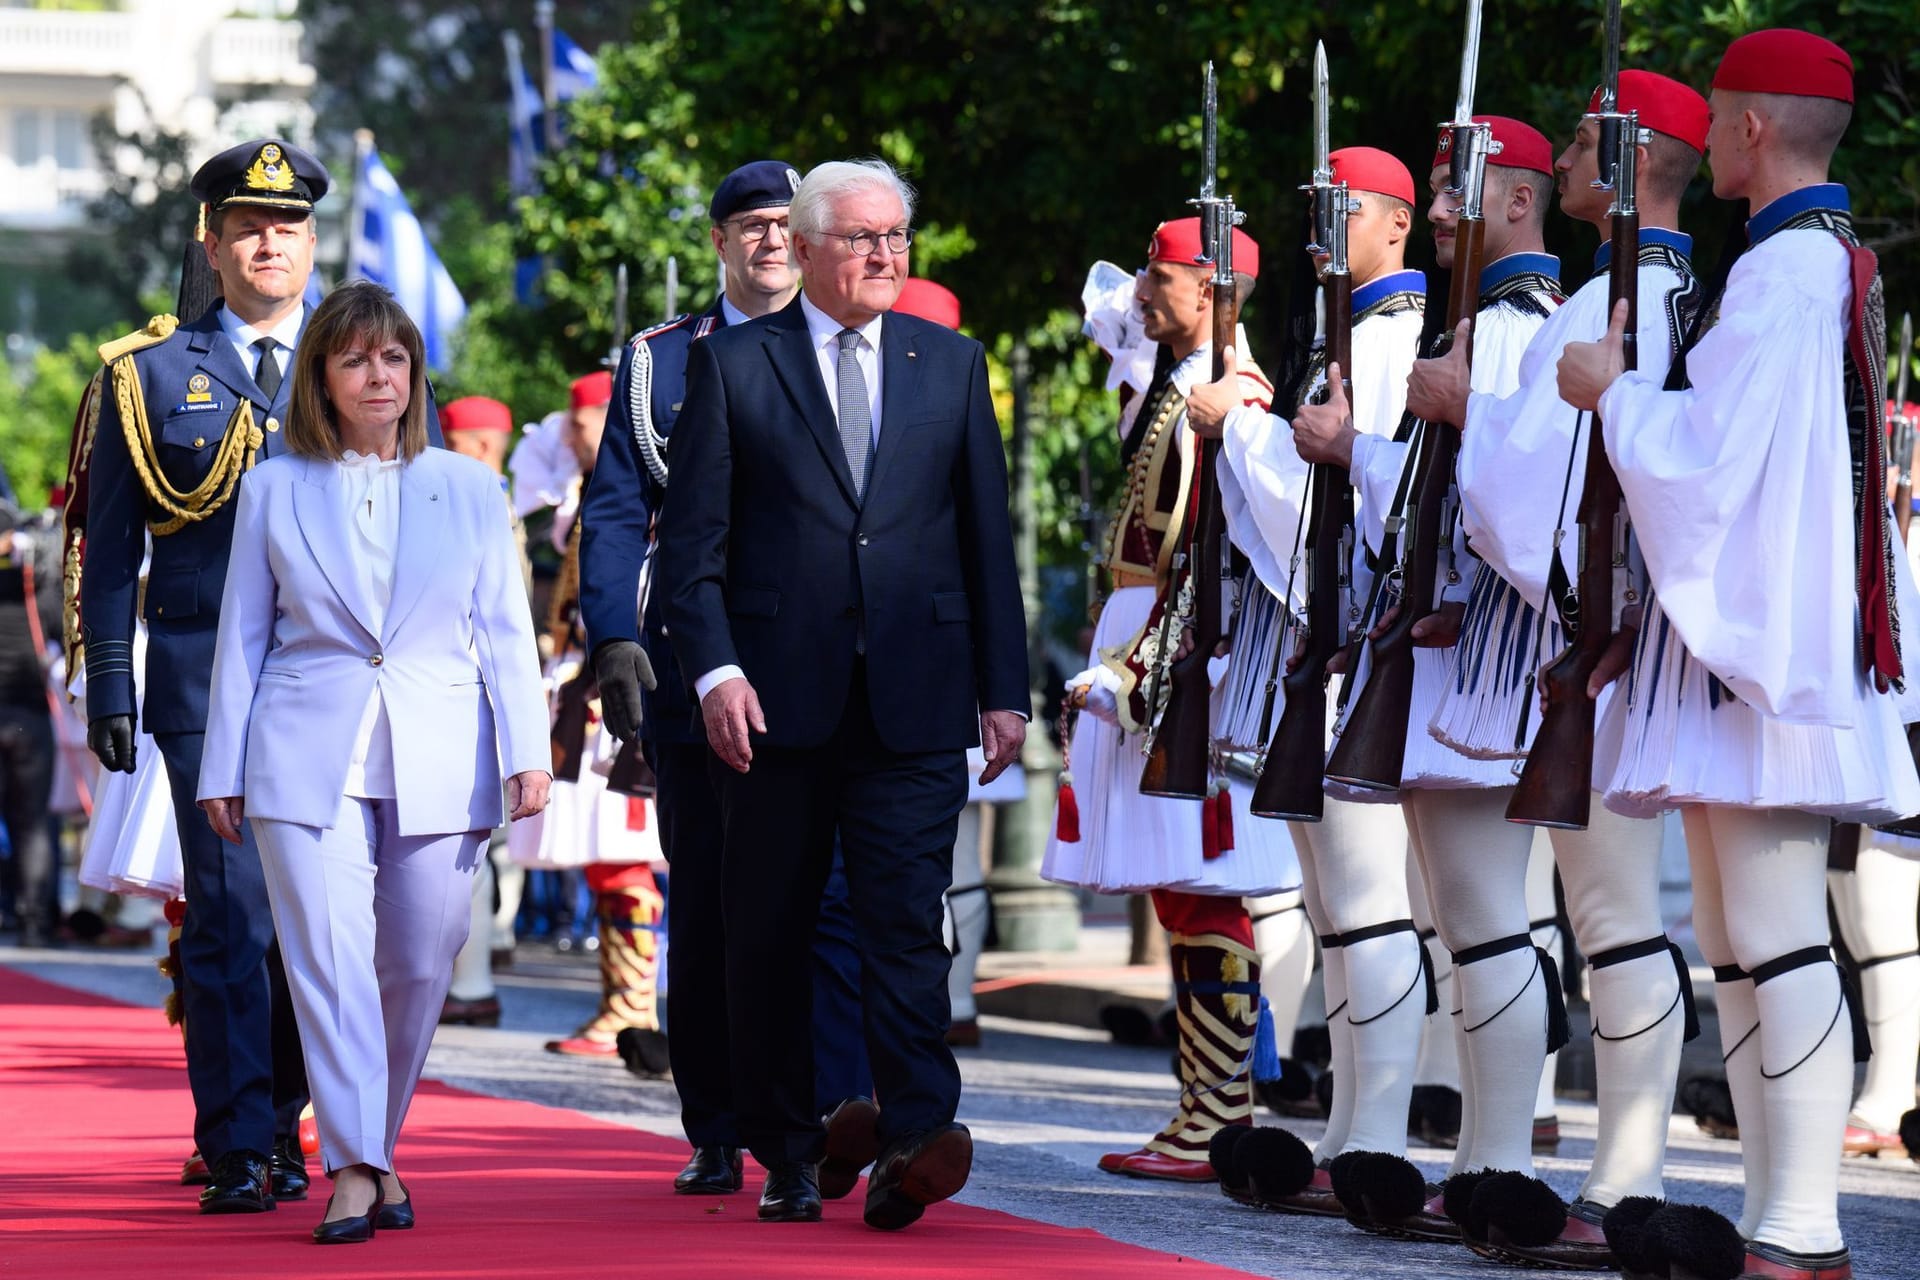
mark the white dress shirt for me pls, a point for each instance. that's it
(824, 330)
(370, 489)
(730, 313)
(243, 335)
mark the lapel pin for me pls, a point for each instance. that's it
(433, 497)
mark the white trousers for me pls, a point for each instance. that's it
(1757, 881)
(368, 922)
(1875, 904)
(473, 967)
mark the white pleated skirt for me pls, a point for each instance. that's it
(1489, 709)
(1130, 843)
(1674, 735)
(133, 846)
(584, 822)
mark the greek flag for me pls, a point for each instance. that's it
(574, 73)
(388, 245)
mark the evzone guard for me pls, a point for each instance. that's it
(1108, 835)
(1765, 703)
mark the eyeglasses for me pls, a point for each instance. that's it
(754, 230)
(865, 244)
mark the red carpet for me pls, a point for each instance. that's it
(95, 1118)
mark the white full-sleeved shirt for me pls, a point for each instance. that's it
(824, 333)
(243, 335)
(370, 497)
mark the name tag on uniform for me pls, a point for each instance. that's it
(195, 406)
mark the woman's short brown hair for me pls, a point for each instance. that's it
(358, 313)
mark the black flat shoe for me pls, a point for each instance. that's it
(395, 1215)
(356, 1230)
(289, 1170)
(238, 1182)
(712, 1171)
(791, 1194)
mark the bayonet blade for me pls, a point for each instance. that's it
(1322, 141)
(1469, 66)
(1209, 133)
(1610, 84)
(1906, 359)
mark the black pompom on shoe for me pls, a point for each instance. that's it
(1388, 1187)
(1524, 1210)
(1221, 1155)
(1273, 1163)
(1456, 1201)
(1910, 1133)
(1625, 1226)
(1340, 1177)
(1709, 1101)
(1693, 1240)
(1433, 1115)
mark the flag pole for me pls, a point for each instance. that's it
(543, 19)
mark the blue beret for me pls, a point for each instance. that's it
(762, 184)
(265, 171)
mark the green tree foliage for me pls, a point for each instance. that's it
(36, 416)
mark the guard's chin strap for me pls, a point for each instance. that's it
(1683, 999)
(1849, 1002)
(1382, 930)
(1558, 1033)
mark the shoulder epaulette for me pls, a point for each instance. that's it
(661, 328)
(158, 329)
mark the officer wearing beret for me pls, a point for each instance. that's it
(184, 412)
(749, 232)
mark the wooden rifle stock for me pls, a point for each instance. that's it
(1372, 749)
(1179, 764)
(1290, 777)
(1556, 783)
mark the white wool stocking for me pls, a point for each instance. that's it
(1475, 864)
(1770, 866)
(1543, 915)
(1611, 876)
(1439, 1062)
(1875, 904)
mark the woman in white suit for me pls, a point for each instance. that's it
(374, 678)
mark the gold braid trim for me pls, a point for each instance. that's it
(71, 636)
(235, 456)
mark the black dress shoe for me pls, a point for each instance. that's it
(289, 1177)
(791, 1194)
(239, 1182)
(395, 1215)
(853, 1143)
(356, 1230)
(918, 1170)
(712, 1171)
(484, 1012)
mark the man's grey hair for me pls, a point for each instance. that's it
(811, 213)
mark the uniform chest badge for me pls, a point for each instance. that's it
(199, 389)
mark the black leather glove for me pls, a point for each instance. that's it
(622, 667)
(110, 738)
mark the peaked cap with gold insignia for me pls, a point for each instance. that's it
(264, 171)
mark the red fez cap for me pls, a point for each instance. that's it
(1782, 60)
(475, 413)
(1520, 145)
(1179, 241)
(929, 301)
(1665, 106)
(1371, 169)
(594, 389)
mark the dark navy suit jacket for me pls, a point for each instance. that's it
(771, 562)
(616, 516)
(189, 569)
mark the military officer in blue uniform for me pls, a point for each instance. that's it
(183, 412)
(749, 232)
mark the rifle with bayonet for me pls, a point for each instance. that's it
(1903, 430)
(1290, 775)
(1372, 746)
(1180, 761)
(1556, 783)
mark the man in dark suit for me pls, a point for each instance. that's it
(749, 232)
(842, 594)
(183, 413)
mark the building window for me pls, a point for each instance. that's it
(70, 140)
(26, 136)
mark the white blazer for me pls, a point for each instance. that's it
(296, 660)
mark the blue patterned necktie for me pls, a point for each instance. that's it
(856, 415)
